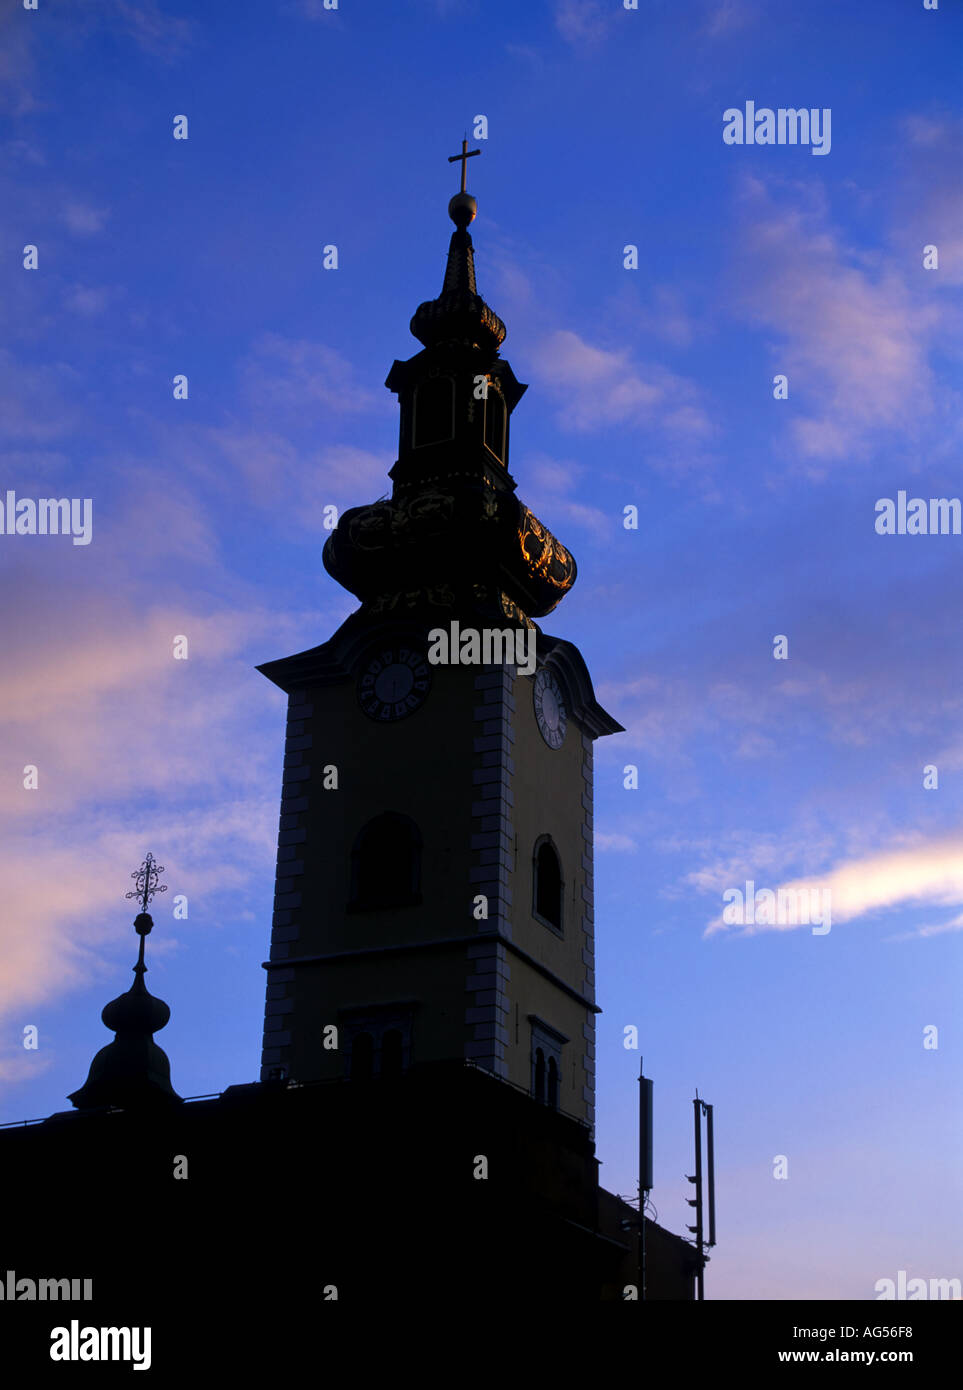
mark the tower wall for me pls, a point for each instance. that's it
(469, 967)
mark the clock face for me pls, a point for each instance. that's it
(550, 712)
(394, 684)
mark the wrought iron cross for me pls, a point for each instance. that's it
(465, 155)
(145, 879)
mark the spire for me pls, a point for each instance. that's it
(459, 314)
(453, 538)
(132, 1072)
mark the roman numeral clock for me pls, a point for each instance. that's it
(549, 703)
(394, 683)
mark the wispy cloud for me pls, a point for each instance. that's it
(841, 686)
(35, 400)
(930, 873)
(162, 35)
(930, 193)
(728, 17)
(134, 750)
(602, 387)
(65, 916)
(616, 842)
(17, 35)
(583, 22)
(933, 929)
(299, 483)
(18, 1065)
(853, 338)
(84, 220)
(283, 375)
(549, 485)
(87, 300)
(93, 696)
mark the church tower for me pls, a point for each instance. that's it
(434, 880)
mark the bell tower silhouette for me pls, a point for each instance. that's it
(435, 876)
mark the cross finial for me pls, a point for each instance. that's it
(145, 880)
(465, 155)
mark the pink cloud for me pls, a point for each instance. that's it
(853, 338)
(929, 873)
(66, 917)
(601, 387)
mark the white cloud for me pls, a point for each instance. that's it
(727, 17)
(160, 34)
(287, 374)
(84, 220)
(583, 22)
(548, 488)
(599, 387)
(853, 338)
(86, 300)
(16, 60)
(623, 843)
(935, 929)
(929, 873)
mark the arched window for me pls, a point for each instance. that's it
(495, 423)
(547, 874)
(547, 1045)
(386, 864)
(391, 1053)
(362, 1057)
(378, 1039)
(552, 1096)
(434, 419)
(539, 1082)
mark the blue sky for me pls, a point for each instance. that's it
(650, 387)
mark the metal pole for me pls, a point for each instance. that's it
(696, 1111)
(641, 1193)
(645, 1166)
(710, 1164)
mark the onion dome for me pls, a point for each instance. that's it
(459, 314)
(454, 540)
(132, 1072)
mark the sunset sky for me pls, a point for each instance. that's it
(651, 388)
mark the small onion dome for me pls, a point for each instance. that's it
(137, 1011)
(459, 314)
(131, 1072)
